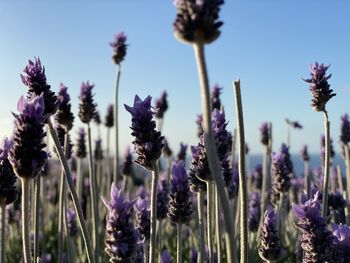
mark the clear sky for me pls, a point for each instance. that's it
(268, 44)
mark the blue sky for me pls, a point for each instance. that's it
(267, 44)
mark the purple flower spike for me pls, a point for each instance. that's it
(161, 105)
(27, 156)
(270, 248)
(87, 107)
(281, 178)
(97, 118)
(35, 79)
(257, 177)
(148, 142)
(342, 234)
(109, 119)
(127, 164)
(121, 235)
(195, 172)
(8, 192)
(215, 98)
(71, 222)
(166, 149)
(180, 205)
(304, 154)
(197, 21)
(81, 145)
(234, 184)
(181, 156)
(319, 86)
(166, 258)
(317, 241)
(264, 133)
(143, 222)
(345, 129)
(199, 125)
(119, 47)
(162, 197)
(61, 133)
(254, 211)
(64, 115)
(98, 152)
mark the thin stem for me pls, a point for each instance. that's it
(108, 157)
(307, 178)
(288, 135)
(3, 233)
(179, 244)
(209, 222)
(145, 249)
(242, 178)
(93, 193)
(210, 146)
(37, 216)
(347, 165)
(160, 233)
(153, 239)
(116, 160)
(25, 220)
(326, 166)
(201, 227)
(218, 227)
(75, 198)
(233, 148)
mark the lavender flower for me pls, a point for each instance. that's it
(264, 133)
(148, 142)
(342, 234)
(161, 105)
(61, 133)
(64, 115)
(257, 177)
(317, 241)
(143, 222)
(215, 97)
(162, 197)
(254, 211)
(35, 79)
(181, 156)
(199, 125)
(234, 184)
(71, 222)
(166, 258)
(80, 145)
(199, 164)
(345, 129)
(98, 152)
(319, 86)
(304, 154)
(195, 183)
(109, 119)
(270, 248)
(294, 124)
(87, 107)
(26, 155)
(8, 192)
(166, 149)
(223, 138)
(337, 203)
(97, 118)
(119, 47)
(197, 21)
(281, 178)
(121, 236)
(287, 158)
(180, 205)
(127, 164)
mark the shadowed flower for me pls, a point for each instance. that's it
(294, 124)
(180, 205)
(71, 222)
(304, 154)
(98, 152)
(35, 79)
(81, 145)
(27, 156)
(64, 115)
(97, 118)
(121, 236)
(264, 133)
(234, 184)
(87, 107)
(199, 125)
(119, 47)
(148, 142)
(342, 234)
(270, 248)
(319, 87)
(162, 197)
(317, 241)
(166, 149)
(8, 192)
(215, 98)
(197, 21)
(143, 222)
(281, 176)
(61, 133)
(254, 211)
(181, 156)
(166, 258)
(109, 119)
(195, 183)
(161, 105)
(345, 129)
(257, 177)
(127, 164)
(287, 158)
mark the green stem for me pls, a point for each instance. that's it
(37, 216)
(179, 244)
(108, 157)
(209, 221)
(75, 198)
(218, 227)
(233, 148)
(3, 233)
(153, 239)
(201, 254)
(160, 232)
(93, 193)
(25, 220)
(242, 178)
(116, 93)
(307, 179)
(326, 166)
(210, 144)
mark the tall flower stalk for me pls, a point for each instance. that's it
(321, 92)
(345, 139)
(195, 29)
(148, 145)
(109, 123)
(119, 48)
(307, 175)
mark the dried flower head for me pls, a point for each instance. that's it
(87, 107)
(119, 47)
